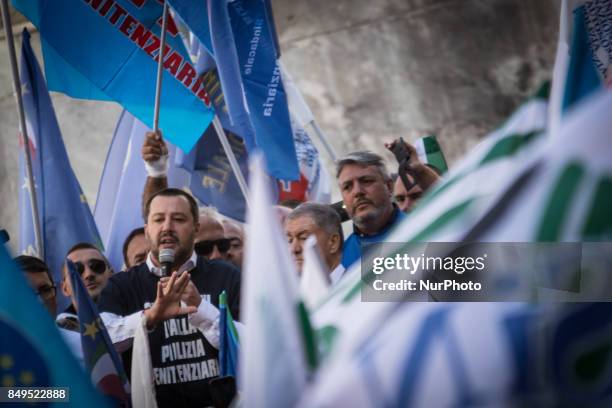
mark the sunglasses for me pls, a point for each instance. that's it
(205, 248)
(97, 266)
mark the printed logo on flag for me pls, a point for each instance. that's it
(598, 14)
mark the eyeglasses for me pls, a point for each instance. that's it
(47, 292)
(97, 266)
(205, 248)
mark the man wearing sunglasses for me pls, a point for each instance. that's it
(210, 240)
(180, 311)
(93, 269)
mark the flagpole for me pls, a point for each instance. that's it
(330, 150)
(160, 68)
(8, 28)
(232, 159)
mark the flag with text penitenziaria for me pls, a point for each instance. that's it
(108, 50)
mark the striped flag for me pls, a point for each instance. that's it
(229, 344)
(447, 211)
(429, 151)
(556, 190)
(101, 358)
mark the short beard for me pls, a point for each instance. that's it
(365, 221)
(181, 254)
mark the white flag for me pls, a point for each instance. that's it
(421, 355)
(143, 381)
(314, 282)
(274, 364)
(446, 213)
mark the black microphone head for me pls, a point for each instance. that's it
(4, 236)
(166, 256)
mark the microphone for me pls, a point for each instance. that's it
(166, 260)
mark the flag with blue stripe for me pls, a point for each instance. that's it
(63, 211)
(114, 46)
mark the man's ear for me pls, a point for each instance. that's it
(389, 183)
(334, 243)
(66, 289)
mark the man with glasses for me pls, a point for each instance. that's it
(39, 277)
(210, 241)
(40, 280)
(93, 269)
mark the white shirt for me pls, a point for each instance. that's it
(121, 329)
(72, 339)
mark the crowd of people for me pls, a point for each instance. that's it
(179, 304)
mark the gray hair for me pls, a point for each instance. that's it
(363, 158)
(324, 216)
(210, 212)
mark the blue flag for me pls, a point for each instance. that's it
(113, 46)
(589, 46)
(63, 211)
(32, 353)
(244, 50)
(101, 359)
(212, 180)
(229, 343)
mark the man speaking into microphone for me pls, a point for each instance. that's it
(180, 309)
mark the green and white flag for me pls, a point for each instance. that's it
(447, 212)
(277, 348)
(423, 354)
(429, 151)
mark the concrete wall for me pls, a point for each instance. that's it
(370, 70)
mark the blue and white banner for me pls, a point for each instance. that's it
(243, 47)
